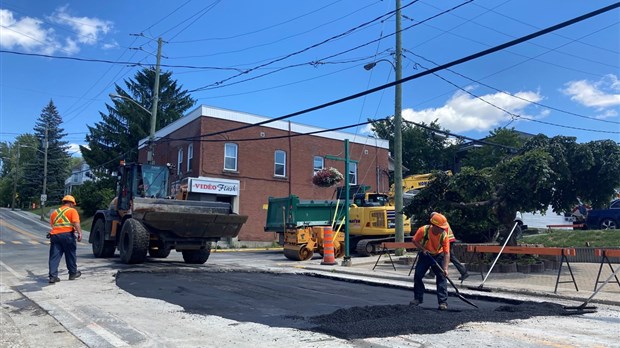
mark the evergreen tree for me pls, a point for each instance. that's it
(58, 159)
(124, 124)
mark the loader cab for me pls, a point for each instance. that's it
(141, 180)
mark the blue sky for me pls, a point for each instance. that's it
(313, 52)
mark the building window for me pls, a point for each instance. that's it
(319, 163)
(230, 157)
(279, 160)
(180, 162)
(352, 173)
(190, 156)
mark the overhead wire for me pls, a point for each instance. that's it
(304, 49)
(218, 85)
(516, 96)
(427, 72)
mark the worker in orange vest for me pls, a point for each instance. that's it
(434, 244)
(459, 266)
(65, 223)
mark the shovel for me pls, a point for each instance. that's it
(439, 269)
(458, 294)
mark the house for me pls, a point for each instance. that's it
(79, 175)
(255, 162)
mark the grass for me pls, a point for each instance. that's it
(564, 238)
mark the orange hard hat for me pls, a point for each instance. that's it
(68, 198)
(440, 221)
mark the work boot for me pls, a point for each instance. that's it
(443, 306)
(54, 280)
(415, 303)
(464, 276)
(75, 275)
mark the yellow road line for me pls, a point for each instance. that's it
(33, 242)
(16, 242)
(18, 230)
(1, 242)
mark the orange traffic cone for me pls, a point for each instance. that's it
(328, 247)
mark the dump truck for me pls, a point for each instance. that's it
(371, 222)
(143, 219)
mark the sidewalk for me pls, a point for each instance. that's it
(534, 284)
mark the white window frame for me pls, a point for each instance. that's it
(314, 166)
(231, 146)
(352, 173)
(180, 161)
(190, 156)
(281, 164)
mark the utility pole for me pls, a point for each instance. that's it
(398, 138)
(150, 157)
(44, 194)
(15, 178)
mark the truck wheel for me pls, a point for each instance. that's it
(134, 242)
(608, 224)
(101, 247)
(197, 257)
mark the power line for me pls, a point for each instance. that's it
(513, 95)
(304, 49)
(427, 72)
(91, 60)
(258, 30)
(218, 84)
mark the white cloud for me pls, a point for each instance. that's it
(88, 29)
(74, 150)
(33, 35)
(110, 45)
(463, 112)
(601, 94)
(25, 33)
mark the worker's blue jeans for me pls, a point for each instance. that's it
(424, 263)
(63, 243)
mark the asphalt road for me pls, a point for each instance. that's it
(251, 299)
(341, 308)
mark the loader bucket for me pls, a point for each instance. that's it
(188, 219)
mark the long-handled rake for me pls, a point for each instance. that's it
(584, 308)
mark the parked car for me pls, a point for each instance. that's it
(605, 219)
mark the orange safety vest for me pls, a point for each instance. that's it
(61, 223)
(425, 239)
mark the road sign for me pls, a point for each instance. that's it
(43, 198)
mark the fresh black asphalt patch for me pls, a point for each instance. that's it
(339, 308)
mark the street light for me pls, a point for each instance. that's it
(398, 137)
(149, 156)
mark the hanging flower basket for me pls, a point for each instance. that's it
(327, 177)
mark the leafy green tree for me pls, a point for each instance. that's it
(489, 156)
(15, 156)
(93, 196)
(424, 149)
(546, 171)
(124, 124)
(58, 159)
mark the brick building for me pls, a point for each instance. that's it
(262, 161)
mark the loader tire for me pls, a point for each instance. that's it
(159, 253)
(196, 257)
(101, 247)
(134, 242)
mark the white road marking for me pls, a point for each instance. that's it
(12, 271)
